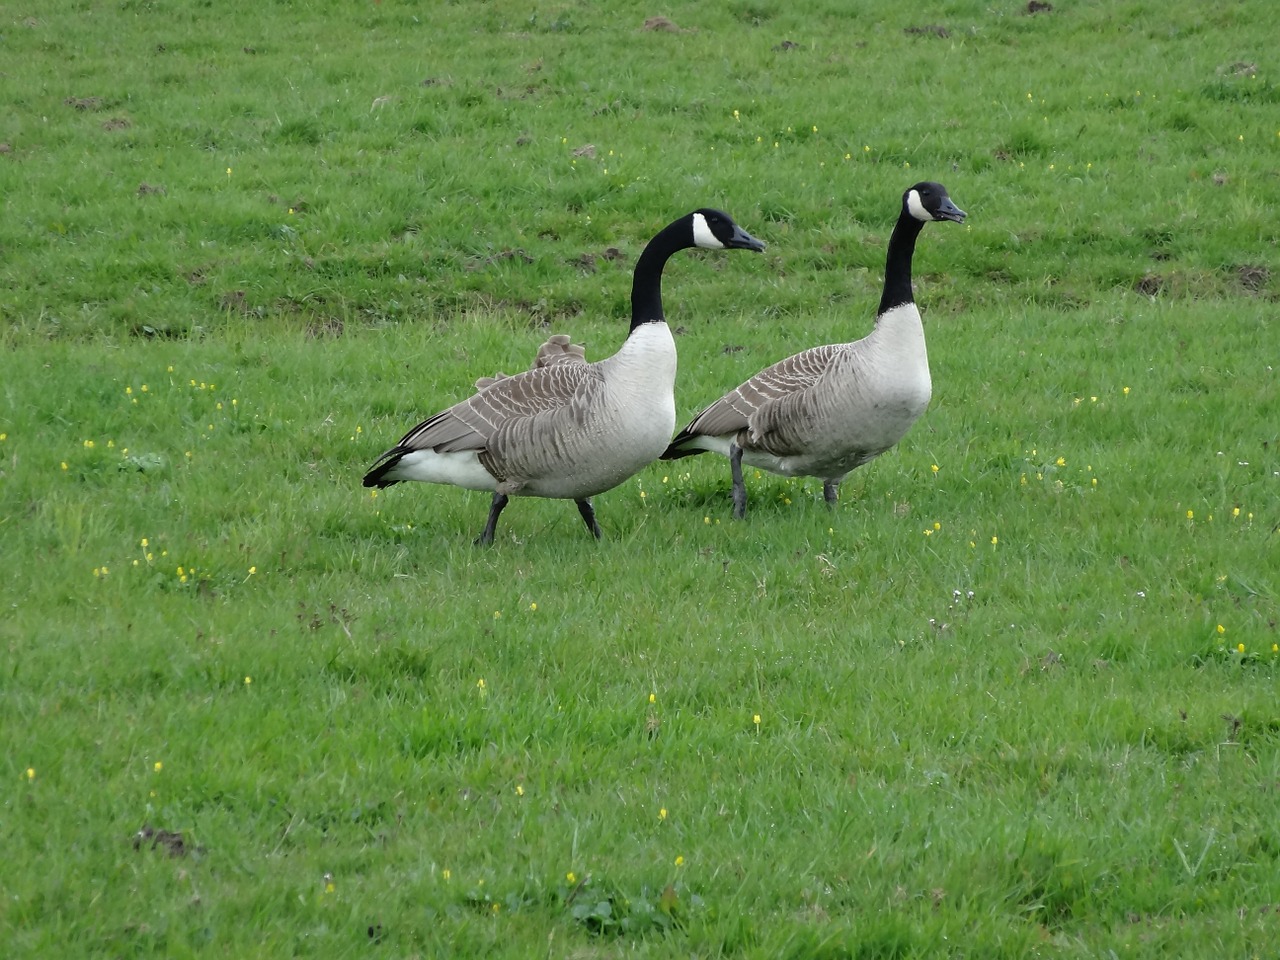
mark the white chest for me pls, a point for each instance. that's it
(640, 383)
(893, 367)
(618, 428)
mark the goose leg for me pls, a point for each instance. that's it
(588, 516)
(486, 535)
(831, 491)
(739, 488)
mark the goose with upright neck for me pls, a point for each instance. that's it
(567, 429)
(830, 409)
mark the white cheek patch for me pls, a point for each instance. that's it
(702, 235)
(916, 208)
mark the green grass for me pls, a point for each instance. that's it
(995, 709)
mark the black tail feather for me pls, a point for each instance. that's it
(377, 473)
(675, 450)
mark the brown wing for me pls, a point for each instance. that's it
(558, 349)
(733, 411)
(471, 424)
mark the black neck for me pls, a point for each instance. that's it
(897, 268)
(646, 286)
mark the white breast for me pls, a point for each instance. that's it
(626, 424)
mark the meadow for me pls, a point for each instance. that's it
(1016, 696)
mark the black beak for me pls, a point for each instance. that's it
(949, 211)
(741, 240)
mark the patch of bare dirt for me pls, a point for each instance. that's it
(85, 103)
(170, 841)
(1241, 68)
(234, 300)
(325, 328)
(297, 205)
(1149, 285)
(930, 30)
(517, 253)
(1253, 277)
(661, 24)
(587, 261)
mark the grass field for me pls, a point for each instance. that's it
(1017, 696)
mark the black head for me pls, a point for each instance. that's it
(929, 201)
(715, 230)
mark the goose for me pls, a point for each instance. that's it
(825, 411)
(567, 429)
